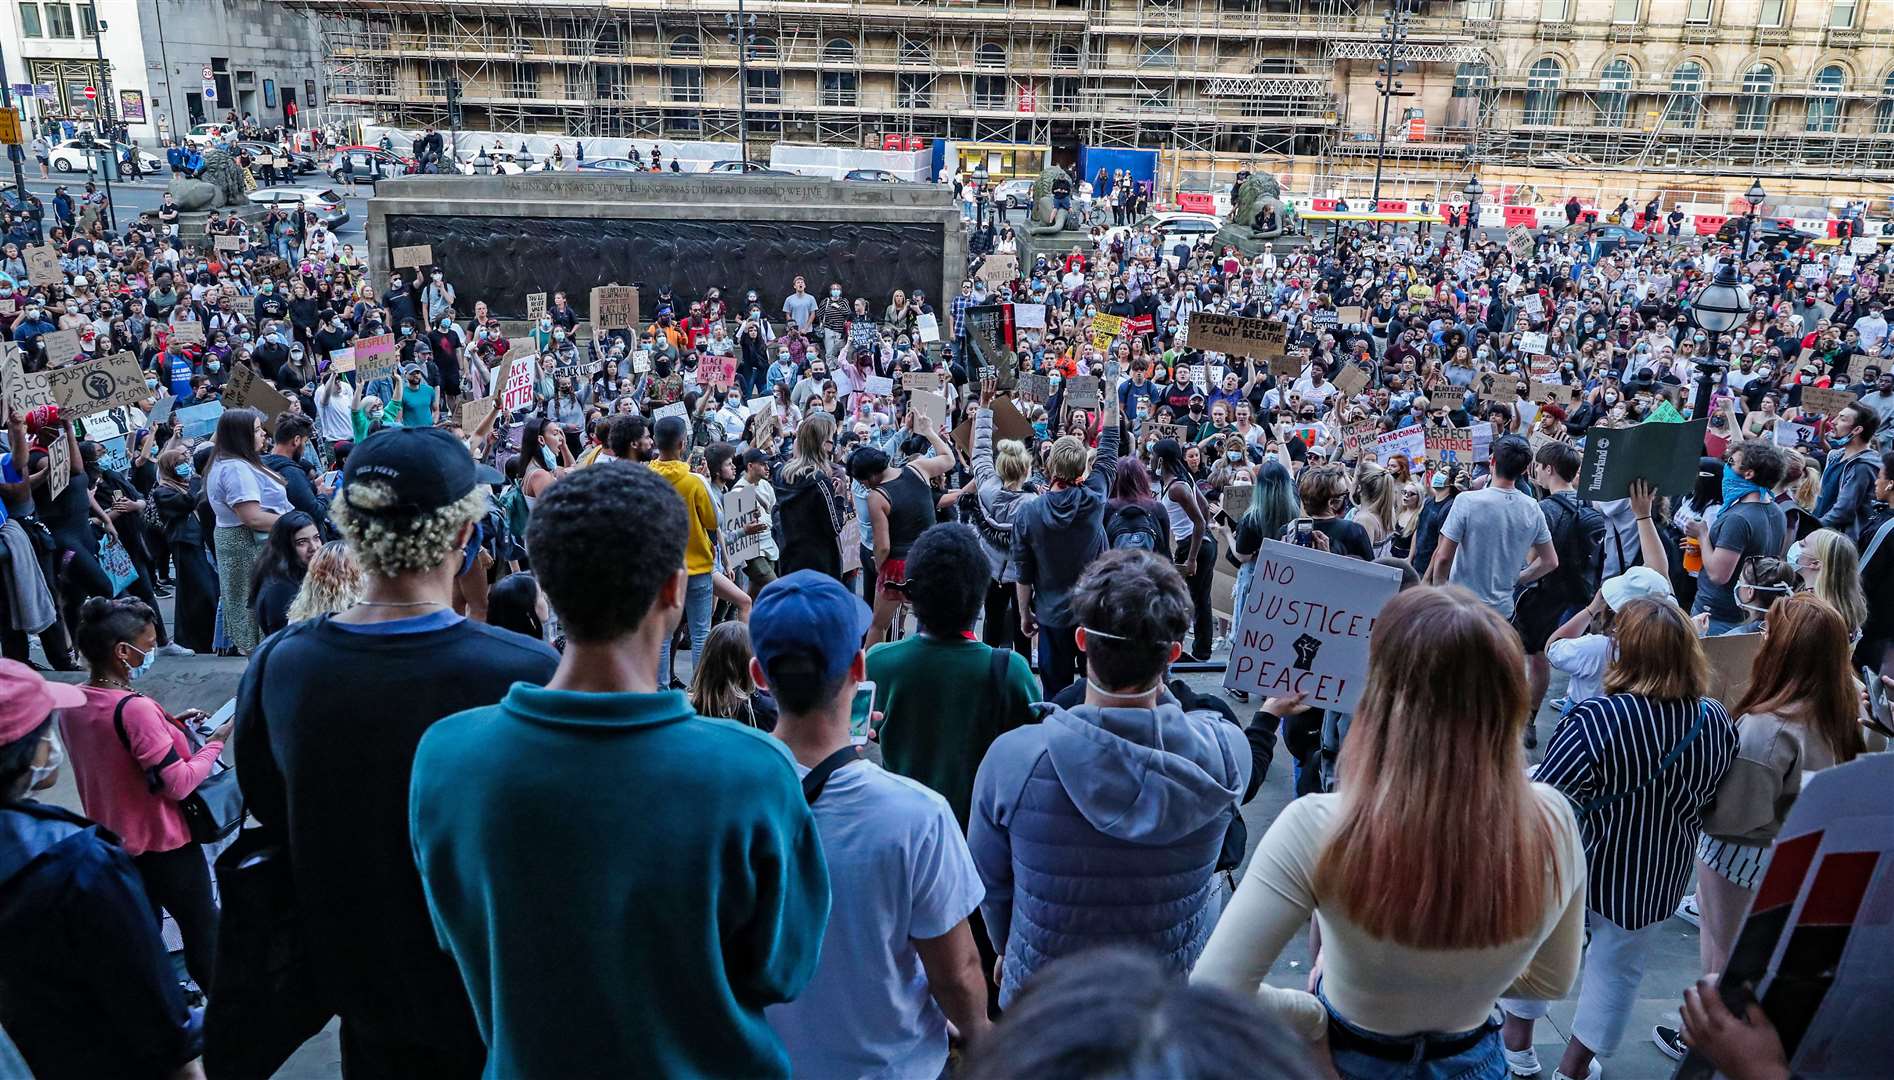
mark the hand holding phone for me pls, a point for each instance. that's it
(861, 712)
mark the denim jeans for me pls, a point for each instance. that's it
(699, 595)
(1484, 1060)
(1607, 984)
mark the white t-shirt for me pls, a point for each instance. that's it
(232, 482)
(335, 412)
(1584, 659)
(899, 870)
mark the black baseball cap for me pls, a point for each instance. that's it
(426, 468)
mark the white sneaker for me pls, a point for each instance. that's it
(1597, 1070)
(172, 648)
(1687, 910)
(1523, 1062)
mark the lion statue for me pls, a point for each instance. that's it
(220, 183)
(1249, 227)
(1046, 218)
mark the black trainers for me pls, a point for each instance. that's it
(1670, 1041)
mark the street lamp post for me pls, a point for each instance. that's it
(1393, 34)
(102, 115)
(1472, 191)
(1716, 309)
(1754, 197)
(742, 29)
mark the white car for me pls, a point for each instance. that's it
(1169, 227)
(324, 203)
(207, 134)
(71, 156)
(505, 162)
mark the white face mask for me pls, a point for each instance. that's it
(42, 773)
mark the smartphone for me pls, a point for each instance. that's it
(1305, 531)
(859, 711)
(1877, 700)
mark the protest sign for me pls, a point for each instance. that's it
(1324, 318)
(188, 333)
(246, 391)
(342, 360)
(1305, 623)
(1825, 401)
(927, 326)
(1235, 335)
(1083, 392)
(1289, 364)
(1034, 388)
(1534, 307)
(929, 404)
(743, 508)
(161, 411)
(641, 362)
(614, 307)
(412, 255)
(113, 456)
(97, 385)
(9, 306)
(1007, 424)
(1795, 436)
(61, 346)
(924, 380)
(535, 306)
(717, 371)
(1351, 314)
(1450, 446)
(1533, 341)
(849, 539)
(1029, 316)
(879, 386)
(228, 243)
(1845, 266)
(1519, 242)
(1495, 386)
(1359, 436)
(1350, 380)
(1731, 657)
(475, 412)
(1105, 330)
(1863, 245)
(59, 457)
(516, 388)
(1553, 393)
(42, 265)
(998, 269)
(1237, 499)
(197, 421)
(1813, 949)
(1410, 441)
(675, 408)
(376, 357)
(1170, 431)
(1664, 454)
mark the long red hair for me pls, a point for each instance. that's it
(1803, 673)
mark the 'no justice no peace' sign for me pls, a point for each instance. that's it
(1305, 623)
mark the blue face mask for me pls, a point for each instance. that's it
(186, 470)
(146, 659)
(470, 552)
(1735, 487)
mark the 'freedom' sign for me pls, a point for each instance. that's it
(1305, 623)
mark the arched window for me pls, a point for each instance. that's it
(1884, 112)
(1065, 57)
(838, 51)
(685, 84)
(763, 49)
(1752, 109)
(1542, 90)
(686, 46)
(989, 55)
(1470, 79)
(764, 85)
(1614, 93)
(1825, 99)
(1685, 108)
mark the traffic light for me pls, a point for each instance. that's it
(453, 102)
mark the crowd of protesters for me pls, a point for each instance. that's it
(932, 581)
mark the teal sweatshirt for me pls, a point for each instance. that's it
(623, 884)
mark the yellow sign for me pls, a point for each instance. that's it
(10, 127)
(1105, 329)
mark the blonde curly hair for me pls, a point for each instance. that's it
(392, 544)
(332, 583)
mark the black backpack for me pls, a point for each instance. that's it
(1134, 527)
(1578, 535)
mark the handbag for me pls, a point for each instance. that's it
(214, 809)
(116, 561)
(267, 1002)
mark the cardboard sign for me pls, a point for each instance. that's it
(1825, 401)
(1305, 623)
(929, 404)
(62, 347)
(42, 265)
(516, 383)
(717, 371)
(1029, 316)
(1534, 307)
(1350, 380)
(228, 243)
(675, 408)
(341, 360)
(1664, 454)
(97, 385)
(535, 306)
(927, 326)
(1289, 364)
(1795, 436)
(742, 508)
(412, 255)
(1083, 392)
(199, 421)
(1532, 341)
(188, 333)
(1171, 431)
(1731, 657)
(1105, 330)
(1410, 441)
(1033, 388)
(238, 385)
(614, 307)
(996, 270)
(59, 456)
(933, 381)
(849, 539)
(474, 413)
(878, 386)
(161, 411)
(1359, 436)
(1494, 386)
(1863, 245)
(376, 357)
(1553, 393)
(1234, 335)
(1351, 314)
(1519, 242)
(1237, 499)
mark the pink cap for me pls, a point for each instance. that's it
(27, 699)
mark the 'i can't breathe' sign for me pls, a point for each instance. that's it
(1305, 623)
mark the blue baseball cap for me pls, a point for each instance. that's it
(810, 622)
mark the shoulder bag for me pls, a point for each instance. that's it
(214, 809)
(1696, 729)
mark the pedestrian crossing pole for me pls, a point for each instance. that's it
(18, 151)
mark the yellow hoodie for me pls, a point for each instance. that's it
(703, 513)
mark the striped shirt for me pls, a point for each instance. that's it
(1638, 847)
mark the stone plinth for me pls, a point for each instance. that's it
(501, 237)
